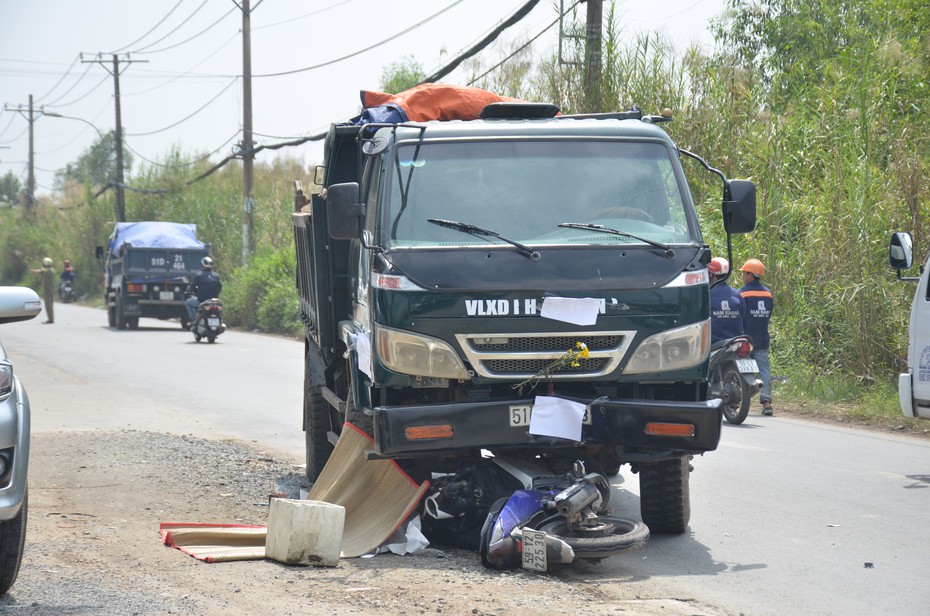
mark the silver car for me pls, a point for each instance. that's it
(16, 304)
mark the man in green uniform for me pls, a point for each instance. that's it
(47, 271)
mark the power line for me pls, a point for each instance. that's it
(519, 14)
(8, 125)
(187, 40)
(152, 29)
(178, 27)
(81, 97)
(369, 48)
(521, 48)
(304, 16)
(74, 85)
(188, 71)
(188, 164)
(60, 79)
(201, 108)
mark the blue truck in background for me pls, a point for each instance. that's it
(147, 267)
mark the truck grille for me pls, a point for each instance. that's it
(525, 355)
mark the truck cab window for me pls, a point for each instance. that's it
(524, 189)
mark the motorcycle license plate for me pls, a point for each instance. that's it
(520, 415)
(747, 365)
(166, 296)
(534, 550)
(213, 321)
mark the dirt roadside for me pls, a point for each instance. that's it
(96, 500)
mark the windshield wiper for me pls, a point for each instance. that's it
(525, 250)
(602, 229)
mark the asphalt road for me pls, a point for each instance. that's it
(788, 516)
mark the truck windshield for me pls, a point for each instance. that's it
(523, 190)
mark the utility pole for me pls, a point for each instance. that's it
(120, 186)
(246, 147)
(592, 53)
(30, 114)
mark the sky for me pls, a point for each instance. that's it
(181, 66)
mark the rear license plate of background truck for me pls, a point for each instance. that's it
(520, 415)
(747, 365)
(166, 296)
(534, 550)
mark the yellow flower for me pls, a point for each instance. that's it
(569, 359)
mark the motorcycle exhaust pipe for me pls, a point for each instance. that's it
(574, 499)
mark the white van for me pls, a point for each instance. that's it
(914, 385)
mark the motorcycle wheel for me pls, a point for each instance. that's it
(211, 338)
(610, 536)
(738, 397)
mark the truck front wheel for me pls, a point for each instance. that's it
(316, 429)
(664, 497)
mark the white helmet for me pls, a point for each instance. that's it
(47, 262)
(718, 266)
(206, 262)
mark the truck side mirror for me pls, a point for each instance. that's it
(344, 211)
(739, 211)
(901, 251)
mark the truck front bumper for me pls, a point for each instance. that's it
(633, 425)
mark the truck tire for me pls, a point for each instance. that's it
(664, 497)
(132, 322)
(111, 316)
(316, 429)
(121, 322)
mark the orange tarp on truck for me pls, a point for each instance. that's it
(437, 101)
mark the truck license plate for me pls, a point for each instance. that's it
(520, 415)
(166, 296)
(213, 321)
(534, 550)
(747, 365)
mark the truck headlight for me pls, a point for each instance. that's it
(6, 380)
(673, 349)
(418, 355)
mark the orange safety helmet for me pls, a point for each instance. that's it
(718, 266)
(753, 266)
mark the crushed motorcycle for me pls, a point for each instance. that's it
(518, 513)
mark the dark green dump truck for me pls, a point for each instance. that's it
(455, 276)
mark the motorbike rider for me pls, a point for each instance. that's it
(727, 310)
(67, 275)
(759, 305)
(205, 285)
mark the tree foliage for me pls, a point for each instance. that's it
(10, 188)
(96, 166)
(401, 75)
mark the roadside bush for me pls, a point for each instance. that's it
(263, 296)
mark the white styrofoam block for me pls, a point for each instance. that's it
(303, 532)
